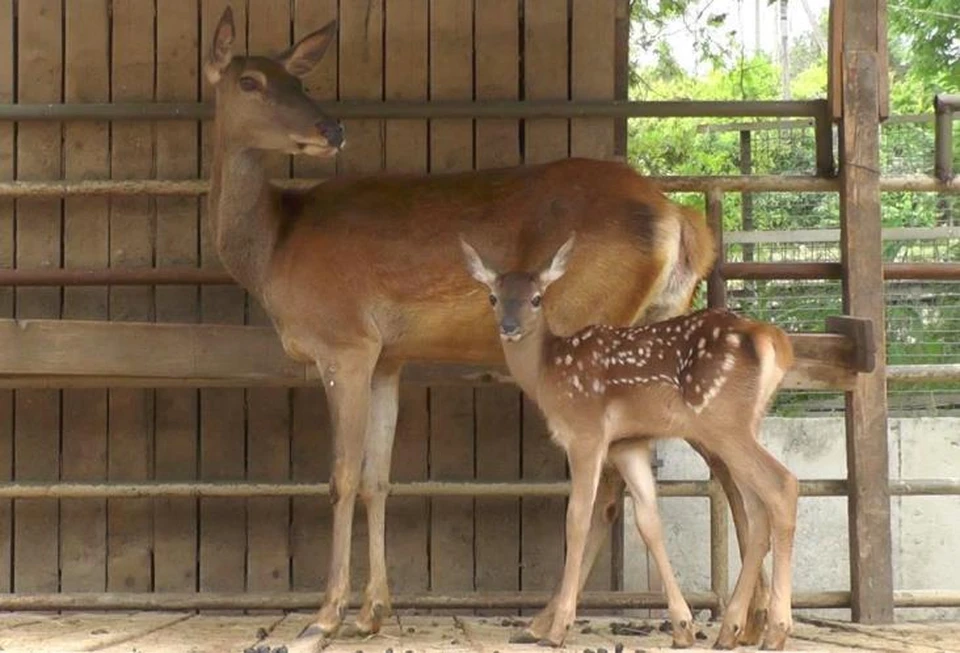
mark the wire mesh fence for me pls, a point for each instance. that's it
(922, 317)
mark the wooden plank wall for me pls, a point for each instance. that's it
(129, 50)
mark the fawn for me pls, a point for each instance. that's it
(707, 377)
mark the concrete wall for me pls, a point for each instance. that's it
(926, 530)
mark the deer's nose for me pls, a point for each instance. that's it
(332, 131)
(509, 328)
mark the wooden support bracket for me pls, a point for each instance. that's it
(860, 332)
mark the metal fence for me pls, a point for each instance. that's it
(923, 317)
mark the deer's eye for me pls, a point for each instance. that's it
(536, 300)
(249, 84)
(493, 300)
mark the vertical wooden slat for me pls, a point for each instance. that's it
(268, 409)
(223, 529)
(175, 449)
(545, 77)
(871, 569)
(7, 238)
(129, 530)
(361, 78)
(38, 237)
(310, 439)
(592, 77)
(497, 407)
(83, 545)
(406, 150)
(451, 408)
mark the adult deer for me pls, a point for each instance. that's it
(706, 377)
(360, 275)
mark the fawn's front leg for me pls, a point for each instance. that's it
(606, 507)
(586, 460)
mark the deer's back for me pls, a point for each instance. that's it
(384, 250)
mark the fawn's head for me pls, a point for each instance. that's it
(517, 297)
(261, 99)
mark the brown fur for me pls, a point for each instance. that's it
(706, 377)
(360, 274)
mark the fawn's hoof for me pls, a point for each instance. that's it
(683, 634)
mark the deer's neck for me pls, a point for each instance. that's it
(527, 359)
(241, 210)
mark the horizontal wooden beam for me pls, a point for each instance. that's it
(249, 489)
(75, 353)
(419, 110)
(668, 183)
(609, 600)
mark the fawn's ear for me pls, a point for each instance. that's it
(221, 49)
(478, 269)
(558, 265)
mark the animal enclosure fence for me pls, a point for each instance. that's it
(154, 493)
(923, 316)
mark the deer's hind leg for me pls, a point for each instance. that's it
(770, 494)
(633, 462)
(374, 485)
(757, 612)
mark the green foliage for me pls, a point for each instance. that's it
(925, 46)
(924, 37)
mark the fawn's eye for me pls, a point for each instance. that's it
(249, 84)
(493, 300)
(536, 300)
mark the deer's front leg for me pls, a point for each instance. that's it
(585, 459)
(374, 484)
(347, 380)
(606, 507)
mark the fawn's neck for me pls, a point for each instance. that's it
(527, 358)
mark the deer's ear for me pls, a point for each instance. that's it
(308, 51)
(221, 49)
(558, 265)
(478, 269)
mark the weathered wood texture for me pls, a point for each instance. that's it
(545, 59)
(8, 155)
(871, 567)
(190, 633)
(101, 400)
(38, 237)
(83, 542)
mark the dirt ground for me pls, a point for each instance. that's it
(165, 632)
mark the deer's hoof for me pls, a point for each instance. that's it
(525, 636)
(727, 639)
(753, 629)
(775, 638)
(371, 618)
(683, 634)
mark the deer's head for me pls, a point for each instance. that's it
(517, 297)
(261, 100)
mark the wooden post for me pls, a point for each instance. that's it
(871, 573)
(311, 432)
(497, 566)
(719, 513)
(408, 41)
(175, 421)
